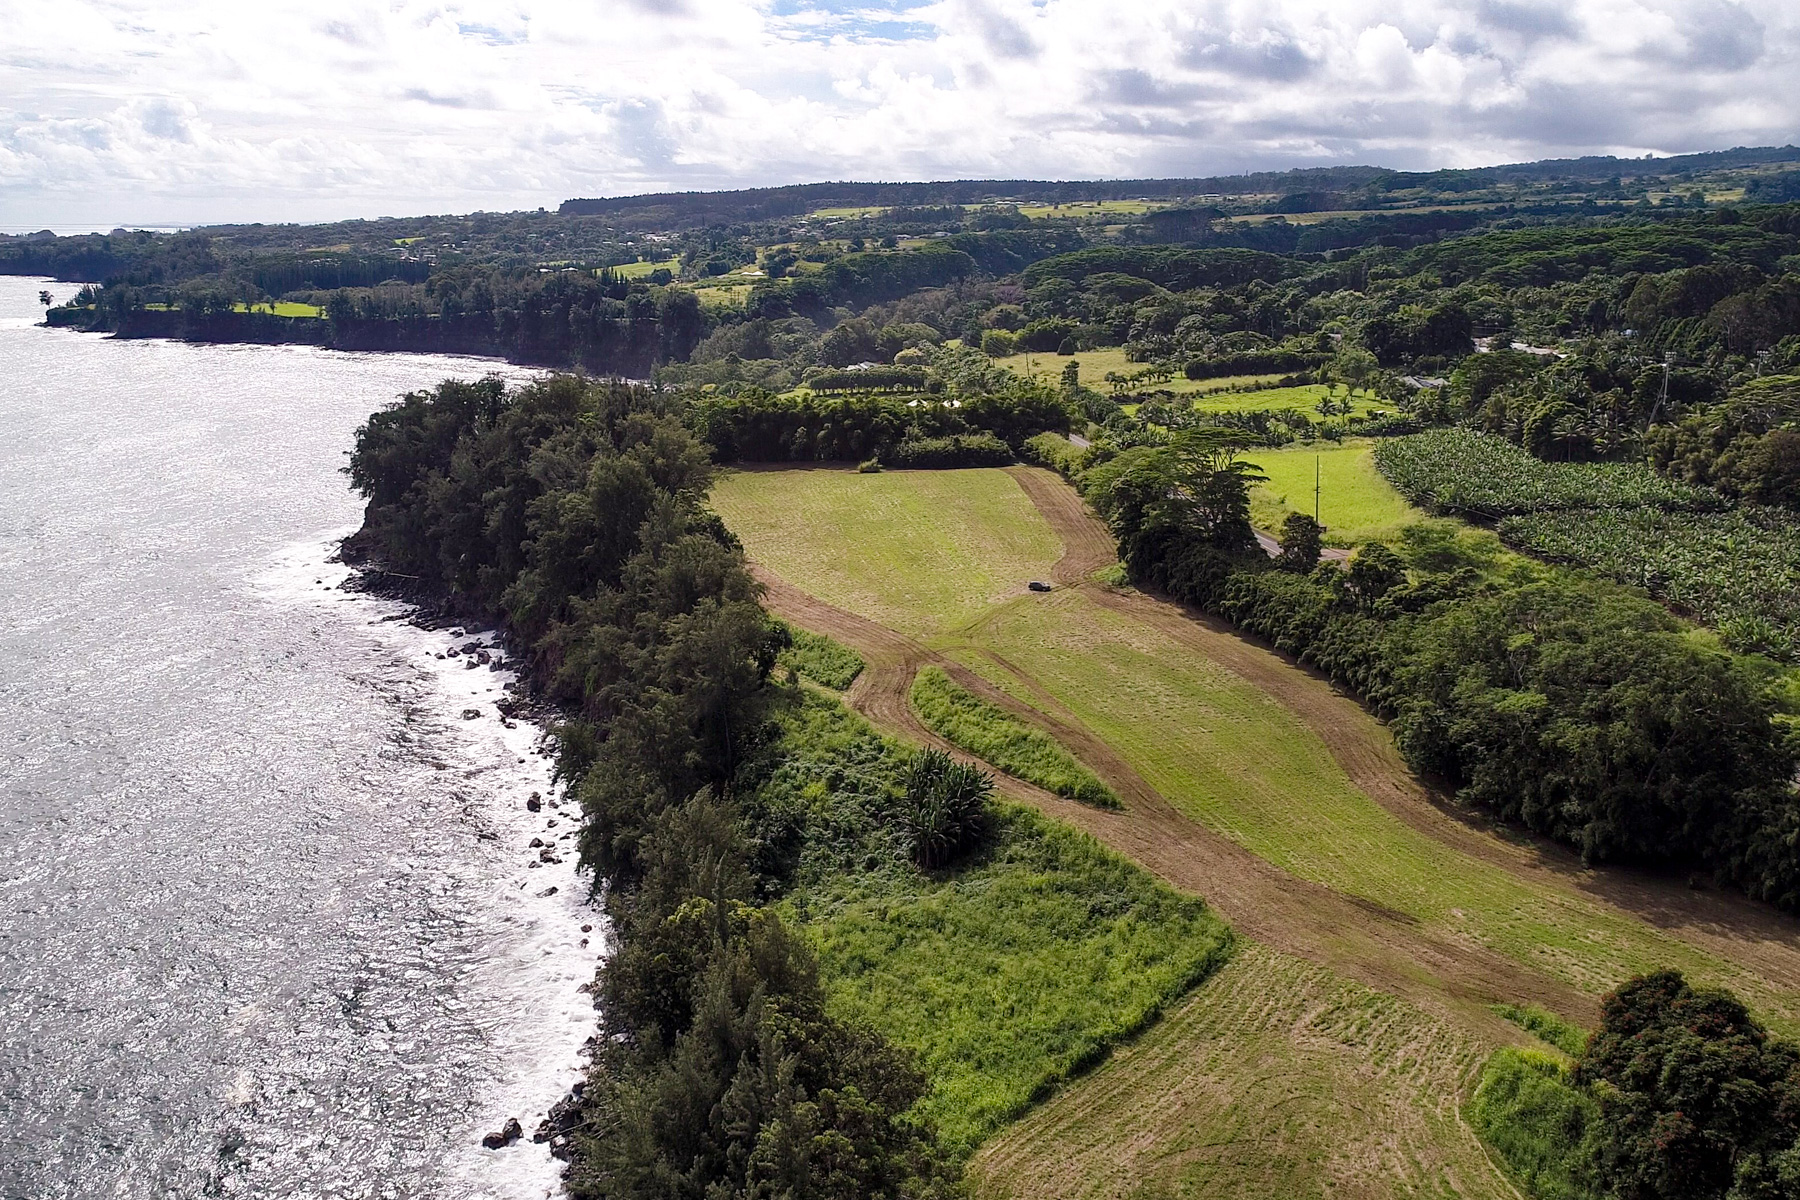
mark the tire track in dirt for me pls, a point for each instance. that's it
(1359, 939)
(1087, 544)
(1727, 925)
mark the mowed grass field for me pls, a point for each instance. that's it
(1274, 1078)
(1355, 503)
(638, 270)
(1303, 398)
(1240, 762)
(1277, 1077)
(941, 556)
(1096, 364)
(922, 552)
(282, 308)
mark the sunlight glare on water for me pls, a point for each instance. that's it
(268, 921)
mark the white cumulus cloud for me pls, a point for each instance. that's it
(131, 111)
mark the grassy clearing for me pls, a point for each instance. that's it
(281, 308)
(1089, 208)
(919, 551)
(1274, 1079)
(1355, 503)
(637, 270)
(1006, 975)
(1217, 746)
(1536, 1120)
(821, 659)
(828, 214)
(723, 295)
(1238, 761)
(995, 735)
(1095, 364)
(1304, 397)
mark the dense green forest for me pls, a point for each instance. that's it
(751, 286)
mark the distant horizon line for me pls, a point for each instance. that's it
(77, 229)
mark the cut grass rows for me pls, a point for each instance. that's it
(1275, 1078)
(1238, 761)
(1218, 747)
(995, 735)
(918, 551)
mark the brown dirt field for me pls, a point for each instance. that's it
(1087, 544)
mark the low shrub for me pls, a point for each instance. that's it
(1566, 1036)
(995, 735)
(956, 450)
(943, 809)
(1539, 1123)
(821, 659)
(1054, 451)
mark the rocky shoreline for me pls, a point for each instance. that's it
(479, 648)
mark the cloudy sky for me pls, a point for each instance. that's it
(153, 112)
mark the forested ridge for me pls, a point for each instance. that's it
(632, 285)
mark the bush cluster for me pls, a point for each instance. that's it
(759, 427)
(1679, 1095)
(996, 736)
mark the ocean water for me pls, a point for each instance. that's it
(269, 920)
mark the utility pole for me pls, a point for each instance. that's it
(1316, 459)
(1662, 402)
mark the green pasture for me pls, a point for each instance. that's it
(921, 552)
(1090, 208)
(715, 295)
(279, 308)
(1096, 364)
(1001, 977)
(282, 308)
(1274, 1078)
(933, 554)
(1238, 761)
(1302, 398)
(830, 214)
(1355, 503)
(638, 270)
